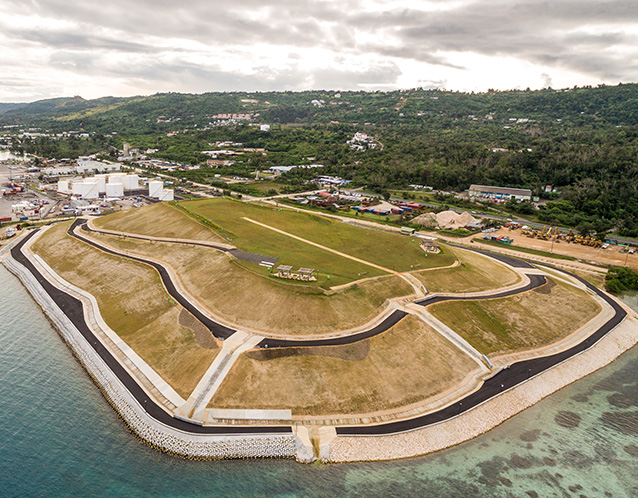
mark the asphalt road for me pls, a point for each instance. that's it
(242, 255)
(512, 376)
(534, 282)
(72, 308)
(386, 324)
(218, 330)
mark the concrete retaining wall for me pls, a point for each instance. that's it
(152, 432)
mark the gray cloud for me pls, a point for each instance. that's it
(584, 36)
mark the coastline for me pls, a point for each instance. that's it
(152, 432)
(333, 448)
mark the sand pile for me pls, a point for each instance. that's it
(427, 220)
(444, 219)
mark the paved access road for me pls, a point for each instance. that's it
(217, 329)
(72, 308)
(242, 255)
(505, 379)
(222, 332)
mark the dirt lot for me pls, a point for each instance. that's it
(609, 256)
(409, 363)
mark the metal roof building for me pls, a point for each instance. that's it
(499, 193)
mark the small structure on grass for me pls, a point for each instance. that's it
(284, 271)
(430, 246)
(306, 274)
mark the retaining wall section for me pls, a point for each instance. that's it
(152, 432)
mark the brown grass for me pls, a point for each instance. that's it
(475, 273)
(407, 364)
(157, 220)
(266, 303)
(525, 321)
(134, 304)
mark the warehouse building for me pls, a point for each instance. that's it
(488, 193)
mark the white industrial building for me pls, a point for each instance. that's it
(87, 165)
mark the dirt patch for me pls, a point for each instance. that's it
(408, 363)
(353, 352)
(567, 419)
(547, 288)
(203, 336)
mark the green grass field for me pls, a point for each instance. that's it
(407, 364)
(529, 320)
(392, 251)
(134, 304)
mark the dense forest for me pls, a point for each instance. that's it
(582, 141)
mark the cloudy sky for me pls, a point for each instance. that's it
(51, 48)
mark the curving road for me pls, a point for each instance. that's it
(242, 255)
(217, 329)
(222, 332)
(505, 379)
(512, 376)
(72, 308)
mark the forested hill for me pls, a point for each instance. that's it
(582, 141)
(604, 105)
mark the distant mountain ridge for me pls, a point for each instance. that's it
(617, 105)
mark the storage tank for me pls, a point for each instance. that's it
(80, 189)
(166, 195)
(131, 182)
(117, 178)
(63, 186)
(155, 188)
(101, 183)
(93, 190)
(114, 190)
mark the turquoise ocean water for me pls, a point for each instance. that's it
(59, 437)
